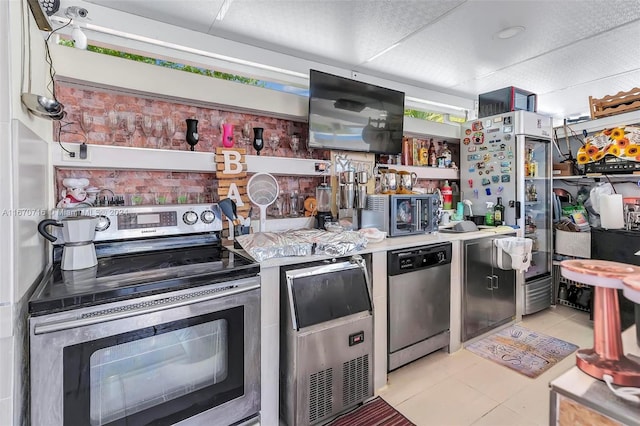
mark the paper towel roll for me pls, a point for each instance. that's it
(611, 215)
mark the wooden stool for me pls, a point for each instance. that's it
(607, 356)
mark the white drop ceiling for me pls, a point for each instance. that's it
(570, 49)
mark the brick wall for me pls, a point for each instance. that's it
(151, 186)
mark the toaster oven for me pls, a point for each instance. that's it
(406, 214)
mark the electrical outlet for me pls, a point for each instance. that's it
(66, 157)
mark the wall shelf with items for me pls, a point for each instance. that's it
(591, 126)
(597, 176)
(431, 173)
(129, 158)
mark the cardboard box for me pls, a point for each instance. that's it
(562, 169)
(576, 244)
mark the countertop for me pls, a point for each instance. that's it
(392, 243)
(594, 393)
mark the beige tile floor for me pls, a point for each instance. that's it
(462, 388)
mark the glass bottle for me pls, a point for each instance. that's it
(498, 213)
(424, 154)
(446, 154)
(433, 157)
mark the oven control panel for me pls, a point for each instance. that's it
(132, 222)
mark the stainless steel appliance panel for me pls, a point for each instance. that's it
(419, 306)
(326, 367)
(327, 376)
(419, 296)
(538, 295)
(57, 385)
(488, 291)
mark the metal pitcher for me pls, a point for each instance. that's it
(407, 180)
(388, 181)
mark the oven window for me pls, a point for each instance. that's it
(141, 374)
(156, 375)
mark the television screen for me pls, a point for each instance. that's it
(350, 115)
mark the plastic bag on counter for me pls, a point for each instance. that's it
(303, 242)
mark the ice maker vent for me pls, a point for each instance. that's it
(320, 394)
(355, 380)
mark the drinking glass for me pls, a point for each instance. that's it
(129, 126)
(246, 134)
(294, 208)
(170, 129)
(158, 129)
(146, 124)
(274, 141)
(113, 122)
(294, 143)
(86, 123)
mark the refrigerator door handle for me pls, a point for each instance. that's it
(518, 212)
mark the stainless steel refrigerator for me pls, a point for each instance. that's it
(509, 156)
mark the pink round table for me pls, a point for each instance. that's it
(606, 356)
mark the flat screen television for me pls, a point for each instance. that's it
(350, 115)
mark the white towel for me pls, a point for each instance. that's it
(519, 249)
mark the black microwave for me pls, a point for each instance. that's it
(506, 100)
(408, 214)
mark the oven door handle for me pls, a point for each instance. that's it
(82, 322)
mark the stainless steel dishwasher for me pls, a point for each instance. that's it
(419, 295)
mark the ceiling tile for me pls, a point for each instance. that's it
(196, 15)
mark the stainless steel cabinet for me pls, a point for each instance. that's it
(489, 293)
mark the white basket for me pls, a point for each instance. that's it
(576, 244)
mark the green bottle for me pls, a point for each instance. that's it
(488, 218)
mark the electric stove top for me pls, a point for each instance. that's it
(129, 269)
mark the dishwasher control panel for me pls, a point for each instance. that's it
(416, 258)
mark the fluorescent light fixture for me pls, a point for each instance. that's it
(432, 103)
(509, 32)
(377, 55)
(223, 10)
(152, 41)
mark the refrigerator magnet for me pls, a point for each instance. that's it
(485, 181)
(466, 141)
(467, 132)
(505, 178)
(478, 138)
(487, 191)
(476, 126)
(471, 148)
(495, 178)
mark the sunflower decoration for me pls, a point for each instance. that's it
(617, 134)
(607, 132)
(622, 143)
(582, 156)
(631, 150)
(591, 149)
(614, 150)
(598, 156)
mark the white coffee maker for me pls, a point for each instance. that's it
(78, 233)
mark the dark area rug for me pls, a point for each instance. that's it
(376, 412)
(525, 351)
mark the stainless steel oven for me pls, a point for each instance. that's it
(162, 331)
